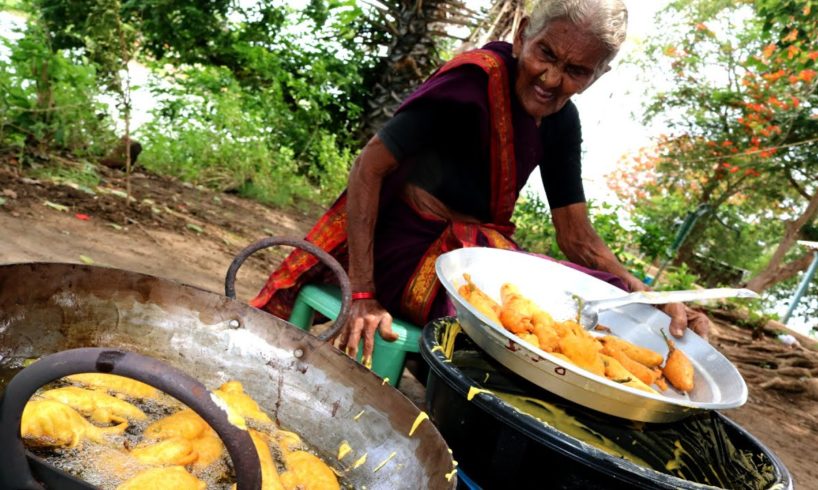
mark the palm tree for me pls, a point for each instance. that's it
(411, 34)
(499, 23)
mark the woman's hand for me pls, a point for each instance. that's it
(683, 317)
(373, 164)
(366, 316)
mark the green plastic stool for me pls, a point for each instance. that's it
(388, 358)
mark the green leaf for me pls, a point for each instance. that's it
(198, 229)
(86, 260)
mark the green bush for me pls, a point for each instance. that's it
(49, 100)
(211, 130)
(535, 231)
(676, 278)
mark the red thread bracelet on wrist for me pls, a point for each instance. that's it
(363, 295)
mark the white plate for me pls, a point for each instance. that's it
(718, 384)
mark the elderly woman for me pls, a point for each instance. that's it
(446, 170)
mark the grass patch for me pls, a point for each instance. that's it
(83, 176)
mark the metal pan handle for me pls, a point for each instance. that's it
(321, 255)
(15, 471)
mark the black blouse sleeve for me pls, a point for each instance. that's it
(410, 130)
(561, 168)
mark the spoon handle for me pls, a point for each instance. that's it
(663, 297)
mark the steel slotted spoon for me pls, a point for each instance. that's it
(589, 309)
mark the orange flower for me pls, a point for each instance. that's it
(813, 55)
(792, 36)
(795, 101)
(776, 102)
(773, 77)
(807, 75)
(768, 51)
(792, 51)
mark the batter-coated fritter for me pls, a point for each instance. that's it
(233, 394)
(639, 354)
(517, 311)
(173, 451)
(269, 474)
(584, 352)
(116, 384)
(101, 407)
(678, 368)
(51, 423)
(186, 424)
(640, 371)
(166, 478)
(616, 372)
(482, 302)
(306, 471)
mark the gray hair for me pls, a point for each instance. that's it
(605, 19)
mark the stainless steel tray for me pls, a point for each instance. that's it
(718, 384)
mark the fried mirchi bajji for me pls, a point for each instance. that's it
(176, 450)
(609, 356)
(678, 368)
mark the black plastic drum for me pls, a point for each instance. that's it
(518, 435)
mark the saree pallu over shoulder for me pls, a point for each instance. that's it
(330, 233)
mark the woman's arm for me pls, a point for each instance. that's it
(579, 242)
(373, 164)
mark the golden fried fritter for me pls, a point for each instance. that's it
(166, 478)
(51, 423)
(639, 354)
(117, 384)
(305, 471)
(186, 424)
(678, 368)
(583, 351)
(480, 300)
(173, 451)
(101, 407)
(616, 372)
(639, 370)
(233, 394)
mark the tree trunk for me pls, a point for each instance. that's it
(688, 248)
(775, 272)
(766, 278)
(412, 56)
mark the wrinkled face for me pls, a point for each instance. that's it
(554, 64)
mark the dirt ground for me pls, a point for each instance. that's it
(188, 234)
